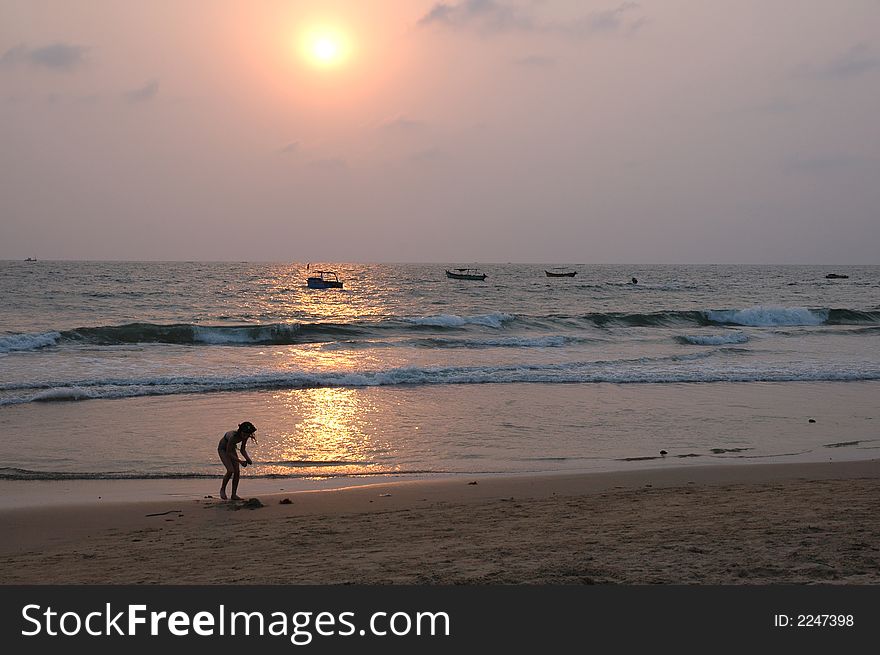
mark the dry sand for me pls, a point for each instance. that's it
(792, 523)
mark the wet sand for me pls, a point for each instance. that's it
(750, 524)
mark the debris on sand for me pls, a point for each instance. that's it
(250, 503)
(285, 501)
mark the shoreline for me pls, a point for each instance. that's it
(794, 523)
(26, 494)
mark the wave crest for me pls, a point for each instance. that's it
(318, 332)
(769, 316)
(713, 339)
(668, 369)
(24, 342)
(495, 320)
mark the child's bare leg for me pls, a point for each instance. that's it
(235, 478)
(230, 469)
(223, 486)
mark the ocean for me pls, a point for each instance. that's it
(124, 370)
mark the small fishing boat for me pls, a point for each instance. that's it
(836, 276)
(560, 272)
(31, 259)
(465, 274)
(324, 280)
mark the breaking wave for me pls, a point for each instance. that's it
(760, 316)
(298, 333)
(718, 365)
(713, 339)
(772, 316)
(495, 320)
(23, 342)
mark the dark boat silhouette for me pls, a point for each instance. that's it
(324, 280)
(465, 274)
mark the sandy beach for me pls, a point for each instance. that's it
(770, 523)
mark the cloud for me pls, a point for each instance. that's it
(622, 19)
(403, 124)
(60, 57)
(608, 20)
(857, 61)
(483, 15)
(144, 93)
(492, 16)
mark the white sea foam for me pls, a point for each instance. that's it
(23, 342)
(674, 369)
(767, 316)
(715, 339)
(547, 341)
(218, 336)
(495, 320)
(64, 393)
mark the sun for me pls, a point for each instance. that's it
(325, 48)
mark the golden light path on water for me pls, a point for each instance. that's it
(331, 431)
(334, 431)
(363, 296)
(364, 299)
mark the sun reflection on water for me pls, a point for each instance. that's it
(330, 431)
(365, 295)
(335, 431)
(368, 297)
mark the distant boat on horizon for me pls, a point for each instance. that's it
(560, 272)
(31, 259)
(324, 280)
(465, 274)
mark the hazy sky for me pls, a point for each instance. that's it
(583, 131)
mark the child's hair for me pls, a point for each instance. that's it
(248, 428)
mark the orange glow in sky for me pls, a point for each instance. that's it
(348, 130)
